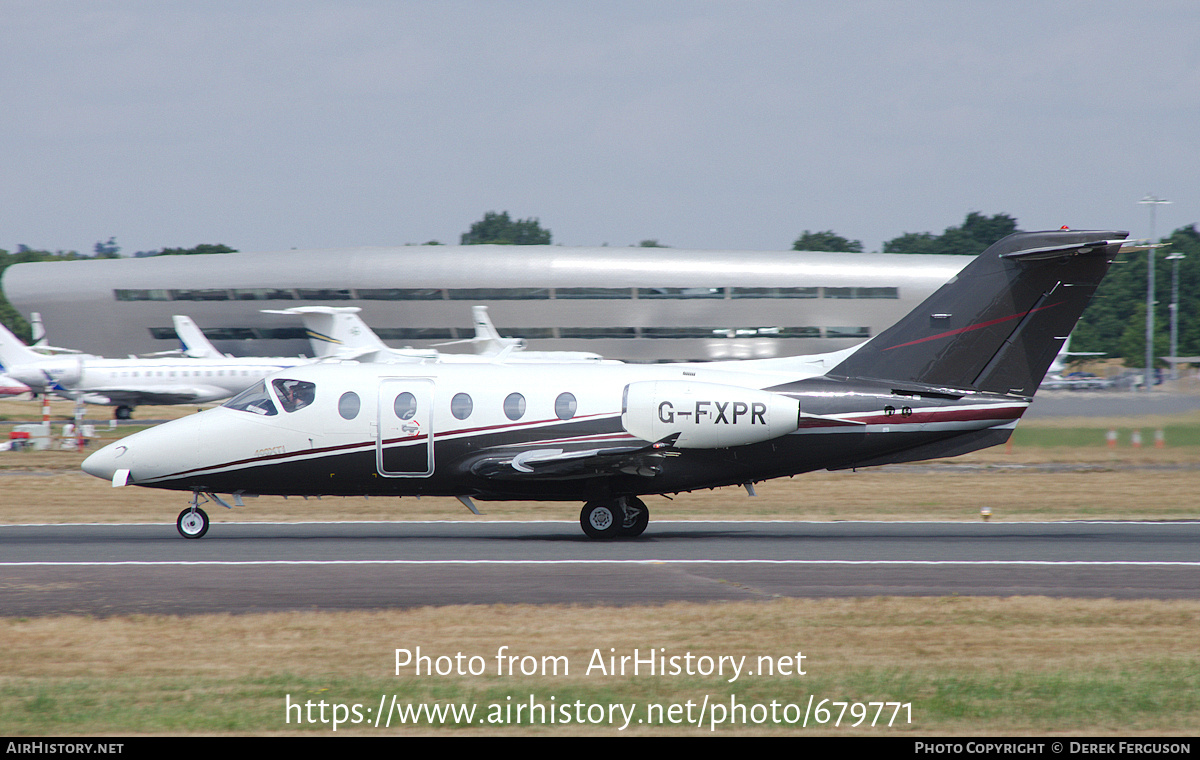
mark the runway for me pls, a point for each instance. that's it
(257, 567)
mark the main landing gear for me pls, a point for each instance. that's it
(626, 517)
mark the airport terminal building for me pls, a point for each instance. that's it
(635, 304)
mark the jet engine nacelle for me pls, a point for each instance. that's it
(706, 415)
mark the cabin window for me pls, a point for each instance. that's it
(294, 394)
(405, 406)
(254, 399)
(461, 406)
(514, 406)
(349, 404)
(565, 406)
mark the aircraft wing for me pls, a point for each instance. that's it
(165, 395)
(558, 464)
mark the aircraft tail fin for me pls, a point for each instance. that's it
(192, 339)
(334, 330)
(1000, 322)
(37, 329)
(487, 338)
(13, 352)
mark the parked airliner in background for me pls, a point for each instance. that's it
(337, 332)
(126, 383)
(953, 376)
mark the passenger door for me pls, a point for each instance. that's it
(404, 442)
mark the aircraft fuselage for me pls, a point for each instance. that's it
(556, 432)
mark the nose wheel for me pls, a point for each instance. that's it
(192, 522)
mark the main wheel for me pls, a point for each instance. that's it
(124, 413)
(602, 519)
(192, 523)
(637, 517)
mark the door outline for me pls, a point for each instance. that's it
(405, 460)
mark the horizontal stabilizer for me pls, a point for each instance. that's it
(1059, 251)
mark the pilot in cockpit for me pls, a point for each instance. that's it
(294, 394)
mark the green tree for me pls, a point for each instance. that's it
(1115, 321)
(826, 241)
(974, 235)
(109, 250)
(501, 230)
(652, 244)
(200, 249)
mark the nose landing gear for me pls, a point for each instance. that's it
(192, 522)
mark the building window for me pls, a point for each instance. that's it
(861, 333)
(681, 292)
(262, 294)
(400, 294)
(142, 295)
(593, 293)
(323, 294)
(498, 294)
(775, 292)
(199, 295)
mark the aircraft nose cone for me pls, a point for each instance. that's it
(105, 462)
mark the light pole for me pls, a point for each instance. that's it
(1174, 259)
(1153, 202)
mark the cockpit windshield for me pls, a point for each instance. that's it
(254, 399)
(294, 394)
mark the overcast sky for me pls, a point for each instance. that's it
(274, 125)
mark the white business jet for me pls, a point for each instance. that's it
(126, 383)
(953, 376)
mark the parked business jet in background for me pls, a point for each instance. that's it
(488, 342)
(126, 383)
(953, 376)
(192, 342)
(41, 343)
(337, 332)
